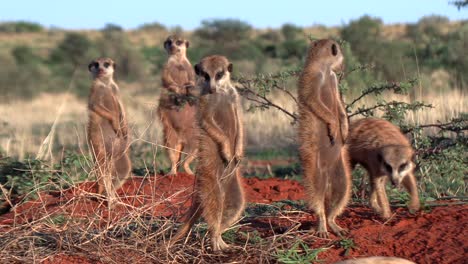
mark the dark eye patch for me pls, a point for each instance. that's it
(334, 50)
(403, 166)
(388, 167)
(95, 64)
(179, 42)
(206, 76)
(106, 65)
(219, 75)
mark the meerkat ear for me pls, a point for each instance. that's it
(379, 157)
(114, 65)
(230, 67)
(334, 49)
(166, 44)
(197, 69)
(90, 65)
(187, 44)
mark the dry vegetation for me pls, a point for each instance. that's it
(26, 124)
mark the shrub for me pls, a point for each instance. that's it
(20, 27)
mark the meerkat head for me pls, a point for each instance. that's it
(176, 45)
(396, 162)
(328, 52)
(102, 68)
(214, 74)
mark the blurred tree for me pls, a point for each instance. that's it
(460, 4)
(224, 30)
(20, 27)
(111, 27)
(291, 31)
(25, 55)
(130, 62)
(156, 26)
(73, 48)
(363, 35)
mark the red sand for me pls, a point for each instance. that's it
(435, 236)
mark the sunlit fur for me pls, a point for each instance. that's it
(323, 128)
(219, 196)
(107, 129)
(386, 154)
(178, 119)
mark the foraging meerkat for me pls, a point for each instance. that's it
(107, 128)
(219, 197)
(381, 148)
(376, 260)
(178, 119)
(322, 131)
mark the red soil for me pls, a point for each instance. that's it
(435, 236)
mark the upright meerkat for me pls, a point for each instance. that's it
(107, 128)
(178, 120)
(323, 128)
(219, 196)
(381, 148)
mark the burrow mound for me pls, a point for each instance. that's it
(437, 235)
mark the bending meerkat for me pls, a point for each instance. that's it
(381, 148)
(107, 129)
(323, 128)
(219, 196)
(178, 120)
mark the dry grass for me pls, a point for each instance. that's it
(25, 124)
(129, 233)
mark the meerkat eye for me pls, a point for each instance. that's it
(388, 167)
(206, 76)
(179, 42)
(403, 166)
(219, 75)
(96, 65)
(106, 65)
(334, 50)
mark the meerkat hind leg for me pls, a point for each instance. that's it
(122, 171)
(340, 184)
(174, 155)
(190, 157)
(315, 181)
(233, 206)
(212, 200)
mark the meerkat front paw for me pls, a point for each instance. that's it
(226, 154)
(332, 132)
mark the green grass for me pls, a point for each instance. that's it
(299, 252)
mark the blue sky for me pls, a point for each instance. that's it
(87, 14)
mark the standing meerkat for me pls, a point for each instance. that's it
(219, 197)
(107, 129)
(178, 119)
(323, 128)
(381, 148)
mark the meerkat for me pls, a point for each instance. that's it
(107, 129)
(381, 148)
(178, 119)
(322, 131)
(219, 197)
(376, 260)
